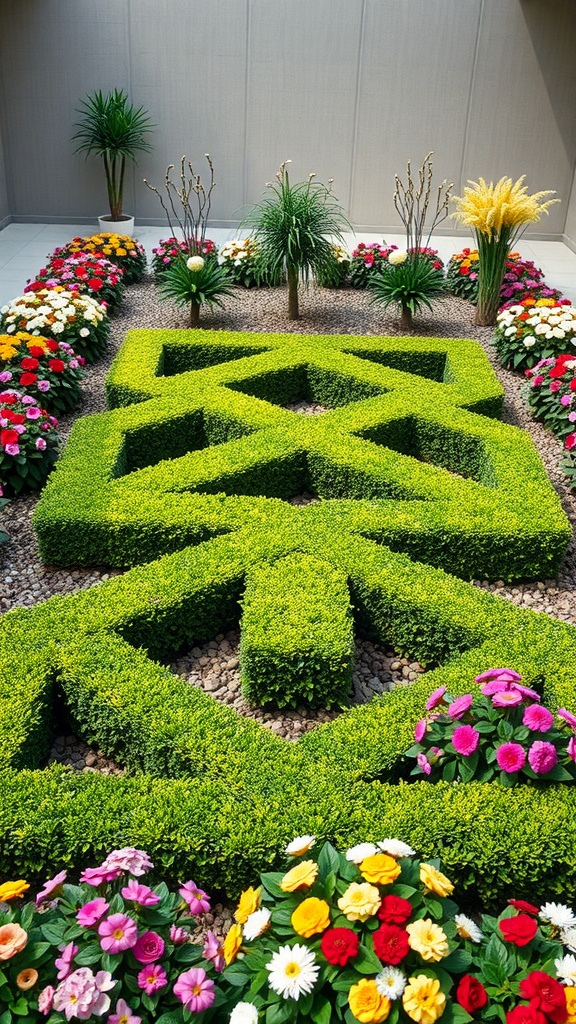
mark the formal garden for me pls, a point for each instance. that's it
(288, 673)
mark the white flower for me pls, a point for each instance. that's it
(300, 845)
(557, 332)
(566, 969)
(397, 256)
(390, 983)
(4, 309)
(510, 331)
(195, 263)
(554, 319)
(57, 327)
(83, 332)
(467, 929)
(255, 924)
(396, 848)
(529, 340)
(357, 853)
(568, 937)
(292, 971)
(558, 914)
(244, 1013)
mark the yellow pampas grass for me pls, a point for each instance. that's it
(506, 205)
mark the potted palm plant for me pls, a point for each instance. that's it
(111, 127)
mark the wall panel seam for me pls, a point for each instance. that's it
(460, 182)
(355, 128)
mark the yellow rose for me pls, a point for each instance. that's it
(232, 944)
(423, 1000)
(248, 903)
(302, 876)
(366, 1003)
(380, 868)
(435, 881)
(428, 939)
(13, 938)
(570, 994)
(360, 901)
(10, 890)
(310, 917)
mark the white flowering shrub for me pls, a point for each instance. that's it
(527, 334)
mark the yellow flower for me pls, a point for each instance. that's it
(232, 944)
(311, 917)
(121, 252)
(27, 978)
(423, 1000)
(428, 939)
(248, 903)
(570, 994)
(10, 890)
(301, 876)
(366, 1003)
(380, 868)
(489, 209)
(435, 881)
(360, 901)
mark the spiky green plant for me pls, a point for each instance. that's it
(410, 285)
(295, 226)
(111, 127)
(195, 282)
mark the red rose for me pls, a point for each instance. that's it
(36, 351)
(28, 378)
(519, 930)
(57, 365)
(51, 345)
(394, 910)
(9, 437)
(391, 943)
(471, 994)
(525, 1015)
(339, 945)
(545, 994)
(526, 908)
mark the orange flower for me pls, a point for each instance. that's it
(311, 917)
(10, 890)
(380, 869)
(27, 978)
(13, 938)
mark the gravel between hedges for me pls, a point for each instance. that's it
(214, 666)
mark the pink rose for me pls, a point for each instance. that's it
(149, 947)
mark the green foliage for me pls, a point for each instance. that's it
(196, 288)
(409, 285)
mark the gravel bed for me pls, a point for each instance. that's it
(214, 666)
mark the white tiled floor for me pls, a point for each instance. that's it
(25, 247)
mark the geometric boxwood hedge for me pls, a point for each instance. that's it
(422, 486)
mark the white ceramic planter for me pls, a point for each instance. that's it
(119, 227)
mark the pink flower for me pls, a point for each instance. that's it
(135, 862)
(5, 376)
(420, 730)
(92, 912)
(33, 413)
(64, 962)
(196, 898)
(83, 994)
(542, 757)
(465, 740)
(424, 764)
(213, 951)
(148, 948)
(118, 932)
(555, 386)
(566, 400)
(123, 1015)
(51, 886)
(178, 935)
(506, 699)
(503, 674)
(511, 757)
(460, 706)
(195, 990)
(571, 748)
(435, 698)
(43, 385)
(567, 716)
(140, 894)
(537, 718)
(97, 876)
(45, 1000)
(12, 449)
(151, 978)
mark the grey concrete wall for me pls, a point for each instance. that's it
(4, 200)
(349, 89)
(570, 226)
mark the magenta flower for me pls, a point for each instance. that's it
(33, 413)
(92, 912)
(195, 990)
(537, 718)
(12, 449)
(52, 885)
(571, 748)
(465, 740)
(45, 1000)
(148, 948)
(196, 898)
(117, 932)
(505, 675)
(213, 951)
(64, 962)
(542, 757)
(135, 862)
(5, 376)
(424, 764)
(506, 699)
(567, 716)
(526, 691)
(178, 935)
(420, 730)
(151, 978)
(97, 876)
(140, 894)
(43, 385)
(511, 757)
(123, 1015)
(460, 706)
(41, 444)
(435, 698)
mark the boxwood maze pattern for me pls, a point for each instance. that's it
(220, 794)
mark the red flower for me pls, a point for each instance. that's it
(525, 1015)
(572, 385)
(51, 345)
(526, 908)
(545, 994)
(394, 910)
(9, 437)
(339, 945)
(29, 364)
(36, 351)
(464, 270)
(570, 442)
(8, 398)
(95, 284)
(391, 943)
(471, 994)
(15, 417)
(519, 930)
(28, 378)
(57, 365)
(557, 371)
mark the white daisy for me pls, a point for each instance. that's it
(255, 924)
(568, 938)
(566, 969)
(300, 845)
(390, 983)
(244, 1013)
(396, 848)
(292, 971)
(357, 853)
(467, 929)
(558, 914)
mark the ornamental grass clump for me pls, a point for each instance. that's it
(295, 227)
(49, 371)
(498, 215)
(505, 734)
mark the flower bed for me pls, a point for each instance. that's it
(243, 265)
(28, 442)
(83, 273)
(125, 252)
(524, 336)
(56, 313)
(49, 370)
(521, 276)
(168, 250)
